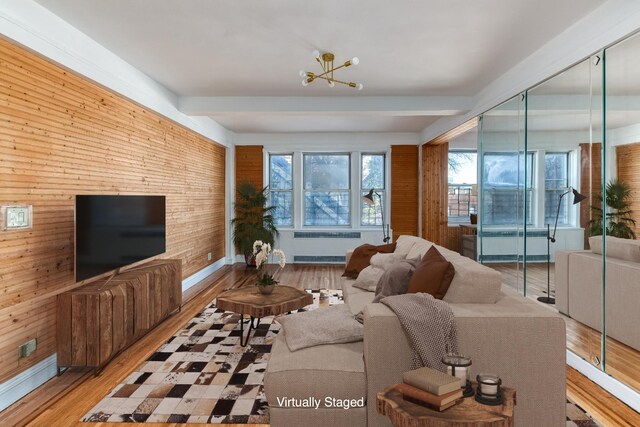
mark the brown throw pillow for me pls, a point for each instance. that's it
(433, 275)
(362, 255)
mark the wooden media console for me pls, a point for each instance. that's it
(97, 321)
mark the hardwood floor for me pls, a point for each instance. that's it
(84, 391)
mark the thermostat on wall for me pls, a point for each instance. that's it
(16, 217)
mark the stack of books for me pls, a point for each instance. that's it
(430, 388)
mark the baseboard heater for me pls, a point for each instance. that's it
(326, 235)
(512, 258)
(320, 258)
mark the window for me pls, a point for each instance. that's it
(281, 187)
(326, 179)
(556, 182)
(462, 178)
(373, 176)
(503, 182)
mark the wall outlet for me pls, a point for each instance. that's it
(209, 256)
(27, 349)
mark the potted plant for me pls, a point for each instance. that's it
(253, 221)
(618, 218)
(265, 281)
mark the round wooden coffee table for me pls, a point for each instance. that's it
(250, 301)
(466, 413)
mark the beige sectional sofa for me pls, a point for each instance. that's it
(521, 341)
(579, 290)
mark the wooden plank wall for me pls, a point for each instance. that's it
(628, 167)
(435, 227)
(249, 165)
(590, 166)
(404, 190)
(61, 135)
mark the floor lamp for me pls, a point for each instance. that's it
(577, 198)
(368, 199)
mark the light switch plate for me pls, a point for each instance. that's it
(16, 217)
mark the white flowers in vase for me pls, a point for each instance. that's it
(262, 251)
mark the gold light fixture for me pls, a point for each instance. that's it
(326, 62)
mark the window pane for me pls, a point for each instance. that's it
(280, 172)
(282, 200)
(372, 171)
(462, 201)
(551, 199)
(326, 208)
(463, 167)
(505, 207)
(326, 171)
(506, 170)
(371, 214)
(556, 181)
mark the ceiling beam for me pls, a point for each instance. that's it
(365, 105)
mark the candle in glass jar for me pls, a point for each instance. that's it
(489, 387)
(461, 372)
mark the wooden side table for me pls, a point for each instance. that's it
(466, 413)
(250, 301)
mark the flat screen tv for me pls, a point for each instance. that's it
(115, 231)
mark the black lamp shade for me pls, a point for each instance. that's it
(577, 197)
(368, 198)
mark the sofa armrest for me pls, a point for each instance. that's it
(528, 351)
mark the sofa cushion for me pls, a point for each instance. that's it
(626, 249)
(369, 277)
(419, 249)
(405, 243)
(473, 283)
(432, 275)
(395, 279)
(383, 261)
(361, 255)
(328, 325)
(315, 372)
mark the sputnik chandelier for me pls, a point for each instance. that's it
(326, 62)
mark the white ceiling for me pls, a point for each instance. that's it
(253, 48)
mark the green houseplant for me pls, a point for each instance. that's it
(618, 219)
(253, 219)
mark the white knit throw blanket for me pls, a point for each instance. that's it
(431, 327)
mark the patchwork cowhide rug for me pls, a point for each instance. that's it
(203, 375)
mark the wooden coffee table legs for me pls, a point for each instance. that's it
(251, 321)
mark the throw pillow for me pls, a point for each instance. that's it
(433, 275)
(395, 279)
(383, 261)
(368, 278)
(362, 255)
(331, 325)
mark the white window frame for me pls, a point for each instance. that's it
(363, 191)
(292, 190)
(455, 219)
(319, 190)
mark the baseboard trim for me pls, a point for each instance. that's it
(624, 393)
(200, 275)
(25, 382)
